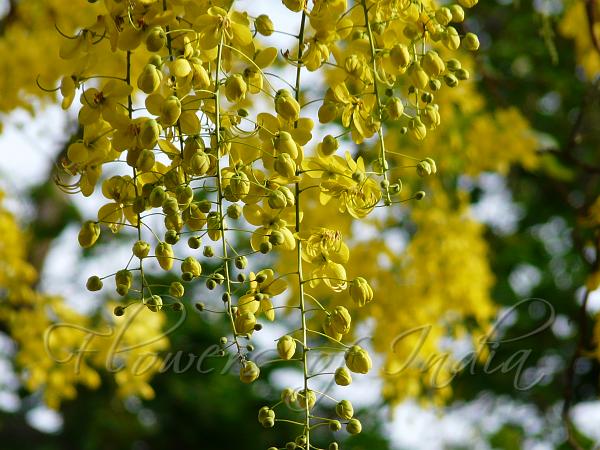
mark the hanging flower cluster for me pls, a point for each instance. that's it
(197, 128)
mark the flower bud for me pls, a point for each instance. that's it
(400, 55)
(358, 360)
(149, 134)
(329, 145)
(170, 110)
(432, 64)
(451, 80)
(360, 291)
(329, 330)
(235, 88)
(170, 206)
(294, 5)
(423, 169)
(176, 289)
(244, 323)
(157, 196)
(265, 247)
(354, 426)
(154, 303)
(344, 410)
(458, 13)
(249, 372)
(418, 76)
(240, 262)
(286, 105)
(286, 347)
(335, 425)
(285, 166)
(288, 395)
(149, 79)
(340, 320)
(430, 117)
(277, 200)
(467, 3)
(234, 211)
(240, 185)
(199, 164)
(342, 377)
(191, 265)
(264, 25)
(416, 129)
(164, 255)
(89, 233)
(462, 74)
(141, 249)
(284, 143)
(94, 283)
(395, 108)
(306, 398)
(471, 42)
(156, 39)
(443, 16)
(451, 39)
(145, 161)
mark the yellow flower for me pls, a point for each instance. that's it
(217, 24)
(269, 220)
(108, 103)
(263, 286)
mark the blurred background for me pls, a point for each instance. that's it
(507, 238)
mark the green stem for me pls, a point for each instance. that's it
(135, 184)
(305, 347)
(378, 101)
(219, 181)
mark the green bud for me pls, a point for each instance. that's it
(141, 249)
(329, 145)
(344, 410)
(342, 377)
(286, 347)
(191, 265)
(471, 42)
(149, 79)
(286, 105)
(89, 233)
(285, 166)
(395, 108)
(307, 398)
(156, 39)
(235, 88)
(194, 242)
(164, 255)
(208, 251)
(118, 311)
(249, 372)
(176, 289)
(234, 211)
(341, 319)
(335, 425)
(171, 237)
(265, 247)
(354, 426)
(264, 25)
(458, 13)
(358, 360)
(400, 55)
(244, 323)
(154, 303)
(94, 283)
